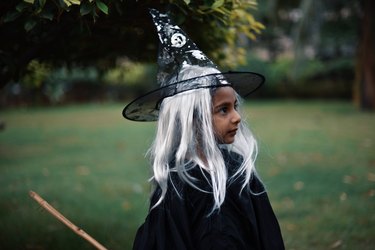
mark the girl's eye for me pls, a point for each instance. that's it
(236, 106)
(223, 110)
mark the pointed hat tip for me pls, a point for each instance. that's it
(155, 13)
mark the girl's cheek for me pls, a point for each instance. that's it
(218, 138)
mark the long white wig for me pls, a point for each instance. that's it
(185, 138)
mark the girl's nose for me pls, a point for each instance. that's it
(236, 117)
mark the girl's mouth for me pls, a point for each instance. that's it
(233, 132)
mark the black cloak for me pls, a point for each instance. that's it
(184, 219)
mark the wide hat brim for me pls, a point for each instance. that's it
(147, 106)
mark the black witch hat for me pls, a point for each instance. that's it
(176, 52)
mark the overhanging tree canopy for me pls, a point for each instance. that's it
(98, 31)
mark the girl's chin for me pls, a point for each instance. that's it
(227, 140)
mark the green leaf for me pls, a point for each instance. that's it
(67, 2)
(102, 6)
(77, 2)
(217, 4)
(29, 25)
(22, 6)
(187, 2)
(208, 3)
(11, 16)
(47, 14)
(29, 1)
(42, 3)
(86, 8)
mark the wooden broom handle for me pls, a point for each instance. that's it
(64, 220)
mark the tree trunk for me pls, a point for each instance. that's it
(364, 87)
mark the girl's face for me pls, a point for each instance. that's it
(225, 116)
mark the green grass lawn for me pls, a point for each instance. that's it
(317, 160)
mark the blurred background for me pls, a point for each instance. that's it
(68, 67)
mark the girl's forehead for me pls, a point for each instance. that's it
(225, 91)
(224, 94)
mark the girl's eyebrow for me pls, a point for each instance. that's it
(222, 104)
(225, 103)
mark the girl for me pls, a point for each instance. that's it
(206, 191)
